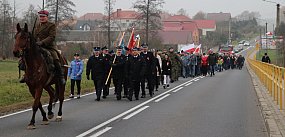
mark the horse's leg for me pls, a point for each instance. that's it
(45, 120)
(50, 91)
(37, 97)
(60, 90)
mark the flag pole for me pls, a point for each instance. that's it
(131, 36)
(117, 39)
(114, 60)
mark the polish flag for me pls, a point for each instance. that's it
(198, 49)
(189, 48)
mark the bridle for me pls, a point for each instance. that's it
(23, 50)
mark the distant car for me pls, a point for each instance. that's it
(242, 42)
(236, 50)
(246, 43)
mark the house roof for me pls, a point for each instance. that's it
(219, 17)
(124, 14)
(186, 26)
(175, 37)
(92, 16)
(205, 24)
(178, 18)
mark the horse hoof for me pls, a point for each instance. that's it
(58, 118)
(50, 116)
(45, 123)
(31, 127)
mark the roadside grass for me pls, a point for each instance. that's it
(15, 95)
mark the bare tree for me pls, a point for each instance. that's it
(149, 15)
(108, 9)
(6, 28)
(200, 16)
(61, 11)
(182, 12)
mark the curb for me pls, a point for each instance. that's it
(266, 106)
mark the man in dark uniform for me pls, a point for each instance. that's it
(106, 57)
(95, 66)
(150, 72)
(126, 83)
(118, 67)
(44, 34)
(135, 70)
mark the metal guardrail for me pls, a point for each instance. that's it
(271, 76)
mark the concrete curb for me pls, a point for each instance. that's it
(267, 107)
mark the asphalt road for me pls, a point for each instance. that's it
(221, 106)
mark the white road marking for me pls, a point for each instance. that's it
(19, 112)
(128, 111)
(197, 79)
(177, 90)
(188, 84)
(136, 112)
(101, 132)
(162, 98)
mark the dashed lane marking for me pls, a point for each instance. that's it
(101, 132)
(177, 90)
(136, 112)
(128, 111)
(188, 84)
(162, 98)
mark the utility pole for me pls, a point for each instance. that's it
(229, 31)
(266, 37)
(109, 24)
(147, 20)
(56, 12)
(278, 16)
(43, 4)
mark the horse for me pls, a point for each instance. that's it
(37, 76)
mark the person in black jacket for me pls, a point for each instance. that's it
(118, 67)
(135, 70)
(266, 58)
(106, 58)
(95, 66)
(150, 72)
(212, 60)
(166, 71)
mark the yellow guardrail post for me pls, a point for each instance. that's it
(279, 87)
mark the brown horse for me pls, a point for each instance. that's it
(37, 77)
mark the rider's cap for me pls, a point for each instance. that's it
(76, 54)
(43, 13)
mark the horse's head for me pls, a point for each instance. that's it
(22, 40)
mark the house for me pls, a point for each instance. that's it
(219, 17)
(124, 19)
(89, 21)
(206, 26)
(178, 25)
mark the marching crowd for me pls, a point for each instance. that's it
(139, 69)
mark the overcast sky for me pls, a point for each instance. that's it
(235, 7)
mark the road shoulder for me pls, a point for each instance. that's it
(273, 117)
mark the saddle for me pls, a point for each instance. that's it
(48, 60)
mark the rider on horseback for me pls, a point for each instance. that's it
(44, 34)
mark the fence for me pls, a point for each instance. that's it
(271, 76)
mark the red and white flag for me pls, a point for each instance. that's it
(188, 48)
(198, 49)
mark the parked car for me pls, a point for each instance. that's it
(246, 43)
